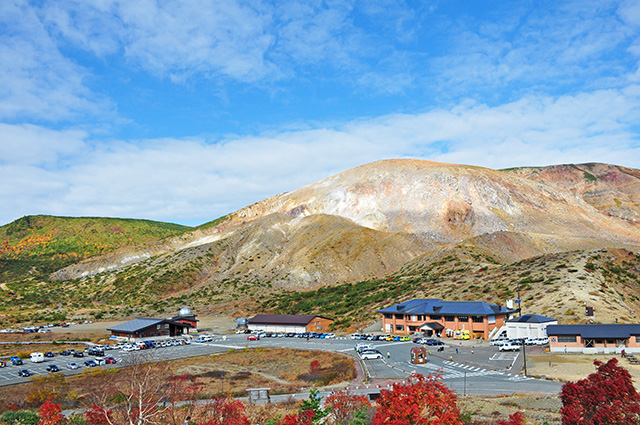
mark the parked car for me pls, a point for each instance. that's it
(72, 365)
(24, 372)
(90, 363)
(253, 338)
(3, 364)
(109, 360)
(16, 360)
(204, 338)
(78, 354)
(64, 353)
(508, 346)
(370, 354)
(53, 368)
(360, 347)
(542, 341)
(95, 351)
(48, 354)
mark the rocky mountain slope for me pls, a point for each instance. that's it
(363, 225)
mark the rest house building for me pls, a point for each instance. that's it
(593, 339)
(439, 317)
(286, 323)
(143, 327)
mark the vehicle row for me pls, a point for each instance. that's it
(365, 337)
(318, 335)
(145, 345)
(71, 365)
(428, 341)
(520, 341)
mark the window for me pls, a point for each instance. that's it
(399, 316)
(463, 318)
(435, 317)
(413, 328)
(637, 338)
(420, 317)
(388, 316)
(399, 327)
(567, 338)
(158, 326)
(588, 343)
(610, 341)
(449, 318)
(477, 319)
(166, 326)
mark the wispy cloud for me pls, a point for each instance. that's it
(194, 180)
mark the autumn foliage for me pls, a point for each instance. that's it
(422, 401)
(50, 414)
(607, 397)
(343, 405)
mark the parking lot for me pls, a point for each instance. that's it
(466, 366)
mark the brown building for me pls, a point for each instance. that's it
(592, 339)
(296, 323)
(146, 328)
(431, 315)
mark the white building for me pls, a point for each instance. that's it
(529, 326)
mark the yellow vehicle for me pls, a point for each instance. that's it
(465, 334)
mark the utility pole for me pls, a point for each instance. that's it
(524, 353)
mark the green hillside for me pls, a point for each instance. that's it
(34, 246)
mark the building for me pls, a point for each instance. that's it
(420, 315)
(528, 326)
(187, 318)
(147, 327)
(289, 323)
(592, 339)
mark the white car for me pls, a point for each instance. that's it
(507, 346)
(370, 354)
(204, 338)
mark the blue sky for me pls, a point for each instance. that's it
(184, 111)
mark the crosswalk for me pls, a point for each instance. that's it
(453, 370)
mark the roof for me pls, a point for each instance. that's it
(135, 325)
(608, 331)
(433, 306)
(434, 326)
(283, 319)
(532, 318)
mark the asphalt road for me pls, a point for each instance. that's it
(471, 369)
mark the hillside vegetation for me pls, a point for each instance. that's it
(566, 236)
(34, 246)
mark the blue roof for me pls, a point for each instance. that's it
(433, 306)
(136, 325)
(607, 331)
(532, 318)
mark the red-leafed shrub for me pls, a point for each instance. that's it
(606, 397)
(422, 401)
(50, 414)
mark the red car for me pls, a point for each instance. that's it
(253, 338)
(109, 360)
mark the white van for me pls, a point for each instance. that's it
(37, 357)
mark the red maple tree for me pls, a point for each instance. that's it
(422, 401)
(50, 414)
(607, 397)
(343, 405)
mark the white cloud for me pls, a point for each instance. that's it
(195, 180)
(36, 79)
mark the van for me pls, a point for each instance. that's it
(37, 357)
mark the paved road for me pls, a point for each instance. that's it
(472, 369)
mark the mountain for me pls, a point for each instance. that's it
(364, 226)
(38, 245)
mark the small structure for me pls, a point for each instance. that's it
(289, 323)
(187, 318)
(418, 355)
(259, 395)
(529, 326)
(143, 327)
(592, 339)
